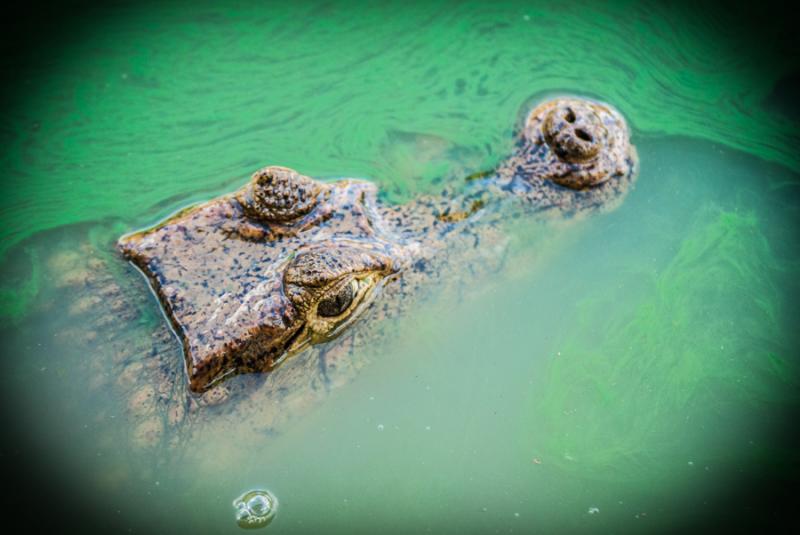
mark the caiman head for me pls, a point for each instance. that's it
(253, 277)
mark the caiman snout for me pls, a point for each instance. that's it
(574, 132)
(577, 143)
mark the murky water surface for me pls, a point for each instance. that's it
(621, 373)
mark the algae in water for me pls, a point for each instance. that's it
(701, 349)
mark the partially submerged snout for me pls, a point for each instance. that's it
(574, 131)
(579, 143)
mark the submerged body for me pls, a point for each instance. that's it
(258, 275)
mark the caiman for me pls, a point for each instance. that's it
(262, 280)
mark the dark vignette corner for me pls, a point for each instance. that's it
(29, 45)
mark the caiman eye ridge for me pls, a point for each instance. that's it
(334, 305)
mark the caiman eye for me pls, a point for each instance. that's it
(333, 305)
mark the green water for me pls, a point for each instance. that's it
(641, 362)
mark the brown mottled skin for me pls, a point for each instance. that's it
(238, 287)
(258, 275)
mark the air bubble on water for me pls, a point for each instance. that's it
(380, 427)
(593, 510)
(255, 509)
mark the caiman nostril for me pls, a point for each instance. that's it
(584, 135)
(570, 116)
